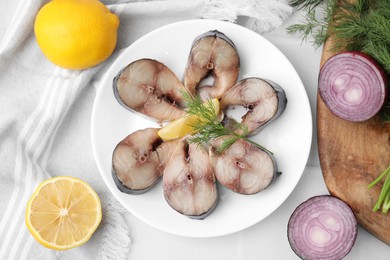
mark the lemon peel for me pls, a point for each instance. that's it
(76, 34)
(63, 213)
(184, 125)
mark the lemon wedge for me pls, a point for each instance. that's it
(63, 213)
(184, 125)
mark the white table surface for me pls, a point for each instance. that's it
(268, 238)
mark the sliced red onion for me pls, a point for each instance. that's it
(353, 86)
(323, 227)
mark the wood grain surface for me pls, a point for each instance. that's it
(352, 155)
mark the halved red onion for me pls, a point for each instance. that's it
(353, 86)
(323, 227)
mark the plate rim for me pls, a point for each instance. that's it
(109, 72)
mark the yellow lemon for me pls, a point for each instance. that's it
(63, 213)
(184, 126)
(76, 34)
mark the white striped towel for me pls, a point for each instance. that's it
(46, 110)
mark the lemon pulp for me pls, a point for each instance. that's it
(184, 125)
(63, 213)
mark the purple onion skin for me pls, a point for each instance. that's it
(298, 231)
(363, 67)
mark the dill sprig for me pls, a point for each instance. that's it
(363, 25)
(316, 20)
(384, 114)
(208, 127)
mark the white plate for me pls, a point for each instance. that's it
(289, 137)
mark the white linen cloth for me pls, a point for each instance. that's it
(46, 110)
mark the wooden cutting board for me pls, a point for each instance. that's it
(351, 156)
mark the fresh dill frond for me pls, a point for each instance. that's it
(384, 114)
(207, 132)
(377, 43)
(195, 107)
(379, 51)
(306, 28)
(208, 127)
(315, 25)
(362, 25)
(226, 144)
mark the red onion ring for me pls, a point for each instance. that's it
(323, 227)
(353, 86)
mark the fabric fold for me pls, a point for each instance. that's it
(261, 16)
(46, 112)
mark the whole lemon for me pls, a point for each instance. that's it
(76, 34)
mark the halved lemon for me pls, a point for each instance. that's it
(63, 213)
(184, 126)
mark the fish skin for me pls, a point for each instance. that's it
(243, 167)
(149, 88)
(212, 53)
(189, 184)
(138, 160)
(264, 100)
